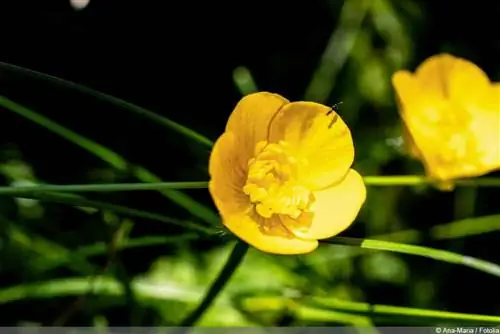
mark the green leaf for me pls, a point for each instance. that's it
(436, 254)
(113, 159)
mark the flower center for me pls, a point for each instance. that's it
(272, 182)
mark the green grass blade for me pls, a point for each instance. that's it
(317, 315)
(458, 229)
(244, 81)
(79, 201)
(62, 287)
(113, 159)
(466, 227)
(399, 311)
(188, 133)
(436, 254)
(111, 187)
(313, 308)
(50, 251)
(417, 180)
(338, 50)
(233, 262)
(158, 186)
(101, 285)
(101, 248)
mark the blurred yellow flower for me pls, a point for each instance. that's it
(451, 116)
(280, 174)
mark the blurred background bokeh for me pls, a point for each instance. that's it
(191, 62)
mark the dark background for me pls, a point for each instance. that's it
(177, 59)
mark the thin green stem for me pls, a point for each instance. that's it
(43, 265)
(126, 211)
(436, 254)
(383, 181)
(338, 50)
(110, 187)
(233, 262)
(274, 303)
(188, 133)
(49, 251)
(416, 180)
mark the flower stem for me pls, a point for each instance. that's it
(436, 254)
(415, 180)
(79, 201)
(234, 260)
(110, 187)
(377, 181)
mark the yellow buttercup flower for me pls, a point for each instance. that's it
(280, 174)
(451, 116)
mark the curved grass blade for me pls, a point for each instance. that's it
(112, 159)
(338, 50)
(309, 307)
(188, 133)
(111, 187)
(102, 285)
(399, 311)
(436, 254)
(126, 211)
(233, 262)
(244, 81)
(100, 249)
(417, 180)
(458, 229)
(50, 251)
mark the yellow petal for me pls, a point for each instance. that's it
(432, 74)
(326, 147)
(337, 207)
(408, 90)
(250, 120)
(245, 226)
(227, 175)
(409, 143)
(453, 78)
(485, 127)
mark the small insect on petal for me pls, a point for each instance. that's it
(79, 4)
(334, 107)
